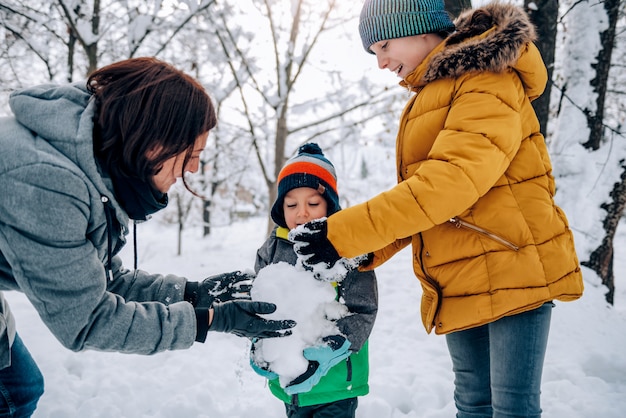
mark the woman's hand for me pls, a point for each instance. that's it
(241, 317)
(220, 288)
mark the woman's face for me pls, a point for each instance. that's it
(403, 55)
(173, 168)
(303, 204)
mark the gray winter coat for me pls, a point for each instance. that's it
(53, 236)
(358, 291)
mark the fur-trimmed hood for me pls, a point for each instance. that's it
(490, 38)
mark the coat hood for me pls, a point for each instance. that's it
(63, 116)
(491, 38)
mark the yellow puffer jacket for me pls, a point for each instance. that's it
(475, 189)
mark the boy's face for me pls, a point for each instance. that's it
(403, 55)
(302, 205)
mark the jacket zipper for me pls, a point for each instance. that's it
(349, 369)
(460, 223)
(433, 283)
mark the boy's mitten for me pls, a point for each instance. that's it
(321, 359)
(311, 242)
(261, 370)
(364, 260)
(305, 382)
(241, 317)
(219, 288)
(335, 350)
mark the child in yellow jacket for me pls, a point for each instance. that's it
(475, 196)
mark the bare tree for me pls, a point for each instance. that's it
(105, 30)
(589, 124)
(272, 85)
(63, 36)
(544, 14)
(267, 79)
(601, 259)
(455, 7)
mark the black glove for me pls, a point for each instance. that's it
(313, 245)
(219, 288)
(364, 260)
(240, 317)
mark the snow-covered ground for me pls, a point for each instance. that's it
(410, 372)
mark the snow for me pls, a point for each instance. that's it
(410, 371)
(300, 297)
(584, 178)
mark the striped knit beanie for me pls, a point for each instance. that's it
(307, 169)
(390, 19)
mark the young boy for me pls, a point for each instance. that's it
(307, 190)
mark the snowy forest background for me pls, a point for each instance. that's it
(282, 73)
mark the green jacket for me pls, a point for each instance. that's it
(347, 379)
(358, 290)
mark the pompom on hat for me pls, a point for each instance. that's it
(307, 169)
(390, 19)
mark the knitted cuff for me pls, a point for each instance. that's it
(191, 292)
(202, 324)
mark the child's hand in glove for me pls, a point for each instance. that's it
(311, 242)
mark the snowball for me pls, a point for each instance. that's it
(302, 298)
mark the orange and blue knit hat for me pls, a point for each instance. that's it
(307, 169)
(389, 19)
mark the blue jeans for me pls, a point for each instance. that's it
(21, 384)
(497, 366)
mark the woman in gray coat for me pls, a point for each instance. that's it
(76, 163)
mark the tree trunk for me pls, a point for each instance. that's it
(181, 225)
(599, 83)
(455, 7)
(206, 217)
(71, 48)
(279, 158)
(601, 259)
(544, 15)
(282, 111)
(91, 50)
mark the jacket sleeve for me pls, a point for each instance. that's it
(359, 292)
(43, 236)
(474, 145)
(267, 253)
(262, 258)
(384, 254)
(141, 286)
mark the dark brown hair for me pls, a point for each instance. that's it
(147, 111)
